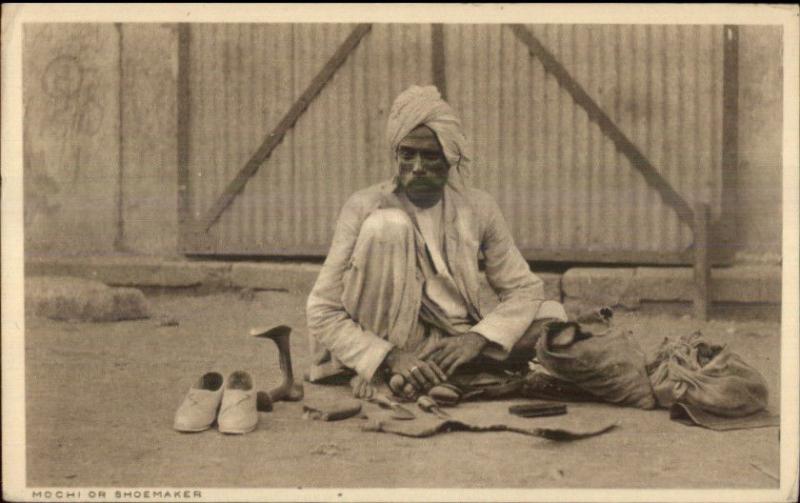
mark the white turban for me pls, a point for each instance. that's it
(423, 105)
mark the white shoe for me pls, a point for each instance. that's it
(199, 408)
(238, 413)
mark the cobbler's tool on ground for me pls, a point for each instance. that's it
(288, 390)
(538, 409)
(398, 411)
(428, 404)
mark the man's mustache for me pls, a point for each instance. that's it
(425, 184)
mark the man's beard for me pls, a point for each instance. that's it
(424, 193)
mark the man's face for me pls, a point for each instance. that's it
(423, 166)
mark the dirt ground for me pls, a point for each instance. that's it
(101, 399)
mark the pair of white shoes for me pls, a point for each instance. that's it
(231, 402)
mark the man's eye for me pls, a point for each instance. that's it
(406, 155)
(431, 156)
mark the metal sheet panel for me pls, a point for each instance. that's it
(561, 183)
(244, 78)
(565, 190)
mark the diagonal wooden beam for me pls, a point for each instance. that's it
(287, 122)
(596, 114)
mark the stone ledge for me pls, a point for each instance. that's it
(81, 299)
(133, 271)
(622, 286)
(301, 278)
(742, 284)
(600, 286)
(274, 276)
(746, 284)
(176, 273)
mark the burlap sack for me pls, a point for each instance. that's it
(609, 364)
(712, 377)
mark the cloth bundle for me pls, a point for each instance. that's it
(701, 383)
(609, 364)
(714, 379)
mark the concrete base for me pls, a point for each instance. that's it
(600, 287)
(274, 276)
(134, 270)
(629, 287)
(65, 298)
(626, 287)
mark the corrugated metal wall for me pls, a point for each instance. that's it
(561, 183)
(244, 78)
(565, 190)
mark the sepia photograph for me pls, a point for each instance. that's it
(411, 252)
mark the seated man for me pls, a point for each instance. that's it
(399, 289)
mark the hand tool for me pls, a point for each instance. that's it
(399, 412)
(538, 409)
(288, 390)
(428, 404)
(334, 412)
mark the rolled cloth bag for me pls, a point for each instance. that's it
(610, 365)
(710, 377)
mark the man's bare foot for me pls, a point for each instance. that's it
(362, 388)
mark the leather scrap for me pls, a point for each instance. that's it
(398, 411)
(442, 426)
(429, 425)
(333, 412)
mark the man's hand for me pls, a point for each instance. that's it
(420, 373)
(452, 352)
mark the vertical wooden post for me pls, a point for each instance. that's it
(119, 239)
(437, 59)
(702, 266)
(185, 219)
(726, 233)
